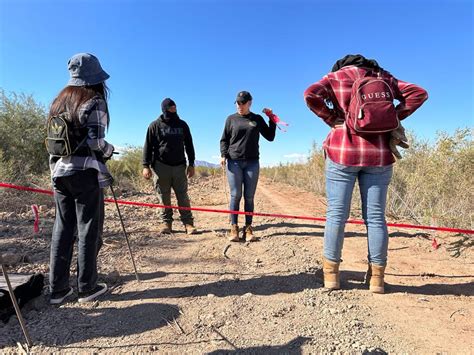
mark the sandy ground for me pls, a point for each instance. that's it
(200, 295)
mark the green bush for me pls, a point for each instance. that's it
(22, 132)
(127, 169)
(433, 182)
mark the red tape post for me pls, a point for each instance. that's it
(320, 219)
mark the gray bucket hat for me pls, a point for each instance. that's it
(85, 69)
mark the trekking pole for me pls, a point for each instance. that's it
(125, 233)
(17, 308)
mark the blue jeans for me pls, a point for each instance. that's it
(373, 186)
(79, 212)
(242, 173)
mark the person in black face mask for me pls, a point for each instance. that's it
(167, 140)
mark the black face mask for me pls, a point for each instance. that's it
(167, 116)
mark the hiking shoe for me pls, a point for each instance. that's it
(165, 228)
(100, 289)
(59, 297)
(249, 236)
(234, 233)
(190, 229)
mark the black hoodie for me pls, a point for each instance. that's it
(357, 60)
(166, 141)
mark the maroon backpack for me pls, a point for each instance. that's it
(371, 109)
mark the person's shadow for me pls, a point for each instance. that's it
(263, 285)
(292, 347)
(355, 280)
(109, 322)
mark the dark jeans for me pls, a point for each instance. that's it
(79, 213)
(167, 177)
(242, 173)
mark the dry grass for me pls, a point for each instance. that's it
(432, 184)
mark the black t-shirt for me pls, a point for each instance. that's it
(166, 141)
(241, 135)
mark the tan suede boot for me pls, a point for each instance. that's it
(165, 228)
(375, 275)
(190, 229)
(331, 274)
(234, 233)
(249, 236)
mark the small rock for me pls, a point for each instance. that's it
(248, 294)
(211, 295)
(356, 345)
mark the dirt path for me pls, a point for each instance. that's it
(260, 297)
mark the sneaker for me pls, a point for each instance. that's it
(59, 297)
(165, 228)
(190, 229)
(249, 236)
(234, 233)
(100, 289)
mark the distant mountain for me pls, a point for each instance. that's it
(205, 164)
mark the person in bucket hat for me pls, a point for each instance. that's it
(85, 70)
(78, 180)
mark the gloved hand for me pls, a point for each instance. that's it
(399, 138)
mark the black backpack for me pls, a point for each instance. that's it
(63, 139)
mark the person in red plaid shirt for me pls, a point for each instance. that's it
(351, 156)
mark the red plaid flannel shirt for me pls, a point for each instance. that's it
(329, 99)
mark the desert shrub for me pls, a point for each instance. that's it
(309, 175)
(127, 169)
(22, 132)
(432, 184)
(204, 171)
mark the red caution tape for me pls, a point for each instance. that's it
(320, 219)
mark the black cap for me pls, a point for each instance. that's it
(243, 97)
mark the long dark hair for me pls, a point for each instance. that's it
(72, 97)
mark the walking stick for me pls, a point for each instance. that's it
(125, 233)
(17, 308)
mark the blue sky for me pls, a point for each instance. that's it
(202, 52)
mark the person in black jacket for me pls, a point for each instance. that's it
(240, 150)
(167, 139)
